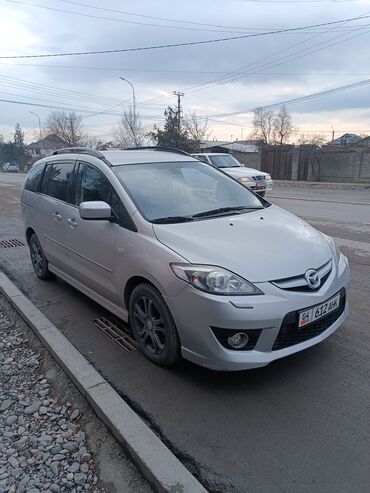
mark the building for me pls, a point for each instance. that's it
(247, 152)
(345, 139)
(45, 146)
(227, 146)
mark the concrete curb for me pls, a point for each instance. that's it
(155, 461)
(323, 184)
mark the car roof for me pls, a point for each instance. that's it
(117, 157)
(215, 154)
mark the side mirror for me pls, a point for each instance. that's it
(95, 210)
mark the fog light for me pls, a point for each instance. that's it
(238, 340)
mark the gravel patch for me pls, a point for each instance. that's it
(44, 443)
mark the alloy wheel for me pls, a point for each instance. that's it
(149, 325)
(37, 257)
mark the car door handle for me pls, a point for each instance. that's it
(72, 223)
(57, 216)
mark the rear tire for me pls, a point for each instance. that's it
(153, 326)
(39, 262)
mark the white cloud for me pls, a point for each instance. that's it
(286, 71)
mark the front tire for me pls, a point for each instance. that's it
(153, 326)
(39, 262)
(261, 194)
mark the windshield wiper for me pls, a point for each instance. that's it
(225, 210)
(172, 219)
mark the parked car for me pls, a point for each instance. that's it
(223, 278)
(11, 167)
(257, 181)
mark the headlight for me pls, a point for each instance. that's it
(333, 247)
(268, 177)
(214, 280)
(245, 179)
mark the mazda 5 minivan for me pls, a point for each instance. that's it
(199, 265)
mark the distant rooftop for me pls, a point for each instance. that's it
(50, 142)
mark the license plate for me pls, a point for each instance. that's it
(312, 314)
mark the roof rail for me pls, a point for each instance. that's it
(157, 148)
(79, 150)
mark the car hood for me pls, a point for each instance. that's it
(255, 172)
(260, 246)
(237, 172)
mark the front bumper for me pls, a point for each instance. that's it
(196, 312)
(263, 185)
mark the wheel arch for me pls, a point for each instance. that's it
(29, 232)
(131, 285)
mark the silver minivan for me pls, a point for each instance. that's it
(199, 265)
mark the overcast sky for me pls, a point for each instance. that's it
(216, 78)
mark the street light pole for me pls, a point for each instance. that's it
(41, 144)
(133, 108)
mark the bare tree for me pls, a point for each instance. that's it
(130, 132)
(67, 126)
(312, 150)
(196, 128)
(271, 127)
(263, 123)
(283, 126)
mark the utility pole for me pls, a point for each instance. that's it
(179, 96)
(41, 143)
(333, 133)
(133, 110)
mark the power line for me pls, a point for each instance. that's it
(301, 99)
(115, 19)
(55, 91)
(176, 45)
(276, 62)
(179, 21)
(227, 77)
(164, 71)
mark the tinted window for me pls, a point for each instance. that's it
(92, 185)
(57, 180)
(33, 178)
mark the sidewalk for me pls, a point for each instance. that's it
(50, 439)
(321, 184)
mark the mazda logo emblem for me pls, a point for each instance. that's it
(312, 278)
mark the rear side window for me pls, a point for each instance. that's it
(57, 180)
(33, 178)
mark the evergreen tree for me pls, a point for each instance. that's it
(19, 147)
(173, 134)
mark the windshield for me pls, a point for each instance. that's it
(224, 161)
(184, 191)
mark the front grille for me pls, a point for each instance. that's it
(258, 177)
(299, 283)
(290, 334)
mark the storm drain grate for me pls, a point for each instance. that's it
(117, 332)
(11, 243)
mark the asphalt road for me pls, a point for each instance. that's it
(298, 425)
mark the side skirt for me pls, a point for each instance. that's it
(116, 310)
